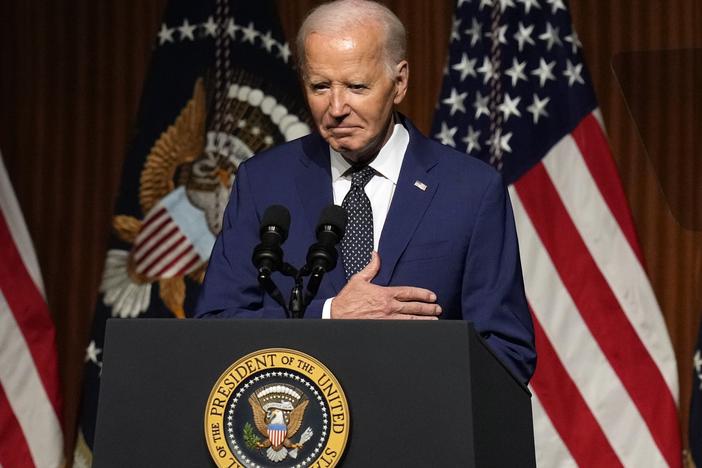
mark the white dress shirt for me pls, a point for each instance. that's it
(379, 189)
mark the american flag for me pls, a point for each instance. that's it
(517, 95)
(30, 403)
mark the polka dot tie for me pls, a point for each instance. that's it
(357, 243)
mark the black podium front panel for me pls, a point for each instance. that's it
(420, 394)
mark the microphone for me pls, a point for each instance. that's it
(331, 228)
(322, 255)
(268, 256)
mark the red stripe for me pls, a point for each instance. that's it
(160, 257)
(567, 409)
(174, 261)
(601, 310)
(188, 266)
(167, 235)
(592, 142)
(31, 314)
(157, 231)
(152, 219)
(14, 451)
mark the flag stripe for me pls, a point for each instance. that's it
(14, 450)
(18, 229)
(548, 439)
(152, 246)
(566, 408)
(592, 296)
(30, 312)
(160, 243)
(612, 252)
(174, 247)
(184, 254)
(24, 389)
(577, 350)
(591, 141)
(181, 265)
(146, 240)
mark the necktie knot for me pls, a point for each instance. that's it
(360, 177)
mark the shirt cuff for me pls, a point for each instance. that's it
(326, 309)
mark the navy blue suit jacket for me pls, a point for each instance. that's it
(456, 238)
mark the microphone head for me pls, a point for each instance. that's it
(276, 216)
(334, 216)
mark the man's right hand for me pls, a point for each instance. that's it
(361, 299)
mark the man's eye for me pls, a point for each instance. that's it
(357, 86)
(319, 86)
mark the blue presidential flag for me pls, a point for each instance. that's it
(220, 88)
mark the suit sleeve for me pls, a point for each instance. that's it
(493, 290)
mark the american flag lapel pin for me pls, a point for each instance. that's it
(420, 185)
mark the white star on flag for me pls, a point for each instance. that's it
(487, 70)
(455, 35)
(456, 101)
(523, 35)
(509, 107)
(268, 41)
(165, 34)
(556, 5)
(574, 41)
(466, 66)
(573, 73)
(446, 135)
(529, 3)
(232, 28)
(550, 36)
(91, 353)
(504, 4)
(284, 52)
(471, 140)
(475, 31)
(250, 33)
(502, 141)
(187, 30)
(544, 71)
(501, 34)
(481, 105)
(516, 72)
(484, 3)
(210, 27)
(538, 107)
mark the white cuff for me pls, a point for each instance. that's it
(326, 309)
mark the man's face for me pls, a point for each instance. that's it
(351, 91)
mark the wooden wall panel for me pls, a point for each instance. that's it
(70, 79)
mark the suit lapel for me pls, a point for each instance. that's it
(314, 172)
(415, 189)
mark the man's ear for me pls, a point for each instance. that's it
(401, 80)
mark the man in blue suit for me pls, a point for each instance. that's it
(437, 225)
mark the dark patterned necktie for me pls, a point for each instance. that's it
(357, 243)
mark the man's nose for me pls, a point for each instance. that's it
(338, 107)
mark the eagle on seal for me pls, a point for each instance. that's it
(278, 422)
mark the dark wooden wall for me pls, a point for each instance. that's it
(71, 74)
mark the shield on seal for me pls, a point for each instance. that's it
(277, 433)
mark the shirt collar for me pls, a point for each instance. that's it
(388, 162)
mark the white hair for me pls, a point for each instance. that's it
(340, 15)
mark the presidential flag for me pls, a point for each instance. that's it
(517, 95)
(220, 88)
(30, 400)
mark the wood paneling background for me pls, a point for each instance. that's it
(70, 79)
